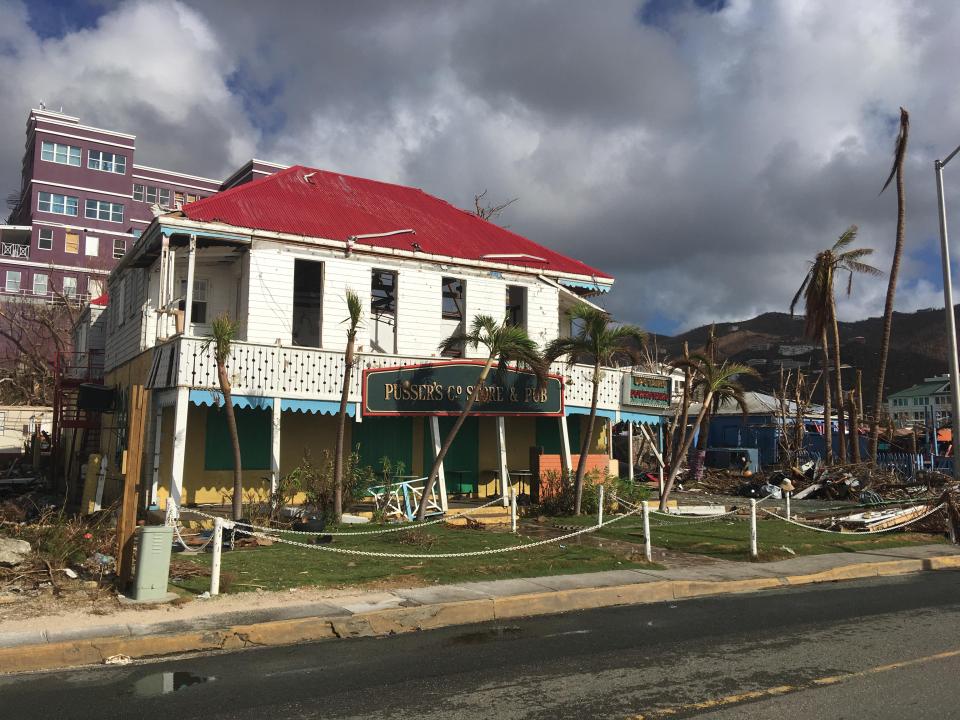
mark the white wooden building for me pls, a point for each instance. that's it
(279, 255)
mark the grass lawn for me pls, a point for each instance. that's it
(729, 539)
(284, 566)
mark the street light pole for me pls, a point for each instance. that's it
(948, 309)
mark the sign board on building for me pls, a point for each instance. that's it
(443, 388)
(646, 391)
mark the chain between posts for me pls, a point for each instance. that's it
(927, 514)
(398, 528)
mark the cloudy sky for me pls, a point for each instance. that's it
(699, 151)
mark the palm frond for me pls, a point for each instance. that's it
(354, 311)
(846, 238)
(899, 147)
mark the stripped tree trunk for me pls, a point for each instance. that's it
(827, 410)
(587, 441)
(237, 509)
(838, 383)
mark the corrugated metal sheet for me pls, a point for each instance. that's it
(316, 203)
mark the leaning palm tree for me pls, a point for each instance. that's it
(224, 332)
(711, 380)
(354, 313)
(899, 153)
(505, 343)
(818, 291)
(604, 345)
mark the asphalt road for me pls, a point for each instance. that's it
(886, 648)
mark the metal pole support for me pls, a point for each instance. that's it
(217, 552)
(753, 529)
(599, 505)
(513, 510)
(647, 547)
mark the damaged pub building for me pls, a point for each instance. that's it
(279, 256)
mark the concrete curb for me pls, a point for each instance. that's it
(33, 651)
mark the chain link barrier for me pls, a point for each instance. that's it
(399, 527)
(423, 556)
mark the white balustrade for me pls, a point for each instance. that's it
(296, 372)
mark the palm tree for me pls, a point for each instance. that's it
(710, 350)
(224, 332)
(355, 312)
(713, 381)
(820, 305)
(899, 153)
(604, 344)
(505, 343)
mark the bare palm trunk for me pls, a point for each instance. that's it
(891, 288)
(587, 441)
(854, 428)
(683, 450)
(234, 441)
(451, 436)
(838, 383)
(827, 410)
(341, 432)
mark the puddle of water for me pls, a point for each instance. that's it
(483, 636)
(165, 683)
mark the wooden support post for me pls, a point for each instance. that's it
(600, 489)
(217, 552)
(188, 300)
(127, 522)
(181, 409)
(502, 459)
(566, 464)
(441, 475)
(630, 450)
(275, 417)
(157, 440)
(753, 529)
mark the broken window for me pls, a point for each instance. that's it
(383, 310)
(516, 305)
(307, 302)
(452, 298)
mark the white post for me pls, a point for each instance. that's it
(660, 458)
(502, 456)
(647, 547)
(753, 528)
(172, 292)
(788, 504)
(157, 440)
(565, 461)
(275, 413)
(630, 451)
(600, 505)
(188, 300)
(441, 475)
(217, 551)
(513, 510)
(101, 481)
(179, 444)
(948, 309)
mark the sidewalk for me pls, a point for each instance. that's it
(283, 618)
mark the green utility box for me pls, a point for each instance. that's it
(153, 563)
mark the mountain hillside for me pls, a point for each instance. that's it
(772, 340)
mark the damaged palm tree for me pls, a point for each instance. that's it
(712, 382)
(820, 307)
(224, 332)
(505, 343)
(354, 314)
(899, 153)
(603, 344)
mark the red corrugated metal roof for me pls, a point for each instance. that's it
(317, 203)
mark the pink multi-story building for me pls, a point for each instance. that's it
(83, 202)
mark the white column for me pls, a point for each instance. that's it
(179, 444)
(630, 450)
(565, 461)
(275, 445)
(502, 459)
(157, 440)
(188, 301)
(441, 475)
(609, 432)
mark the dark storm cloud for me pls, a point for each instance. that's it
(701, 152)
